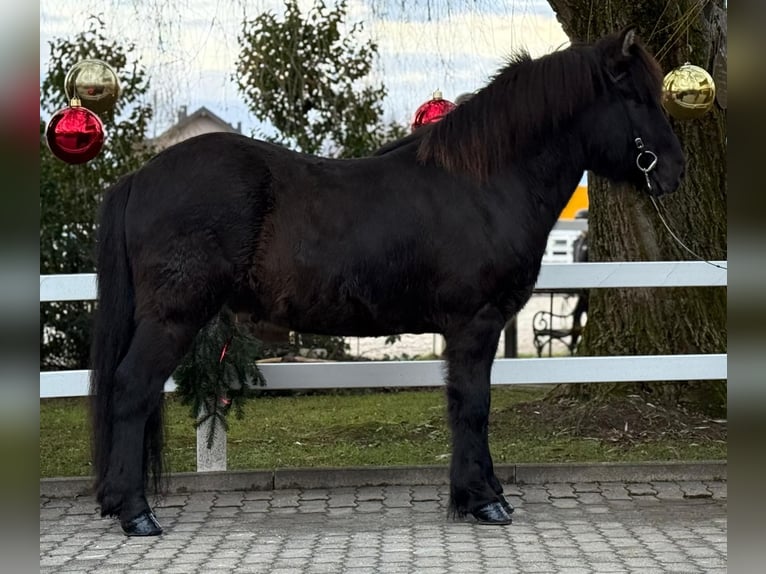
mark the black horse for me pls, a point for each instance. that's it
(442, 231)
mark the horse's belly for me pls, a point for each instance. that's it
(350, 321)
(332, 312)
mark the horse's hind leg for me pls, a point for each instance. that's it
(155, 350)
(474, 488)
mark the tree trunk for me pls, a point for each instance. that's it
(624, 225)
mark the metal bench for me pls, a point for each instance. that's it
(548, 326)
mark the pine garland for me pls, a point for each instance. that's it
(220, 371)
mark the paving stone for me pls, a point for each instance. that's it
(258, 558)
(646, 501)
(255, 506)
(228, 499)
(586, 487)
(567, 563)
(684, 568)
(283, 499)
(219, 511)
(643, 563)
(608, 527)
(370, 493)
(709, 563)
(564, 503)
(370, 506)
(181, 569)
(397, 498)
(613, 491)
(590, 498)
(694, 489)
(511, 490)
(640, 489)
(535, 494)
(668, 490)
(607, 567)
(160, 553)
(563, 552)
(470, 558)
(425, 493)
(342, 501)
(716, 485)
(258, 495)
(315, 494)
(560, 490)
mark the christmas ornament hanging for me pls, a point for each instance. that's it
(75, 134)
(94, 83)
(432, 111)
(688, 92)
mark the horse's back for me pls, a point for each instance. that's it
(232, 216)
(201, 182)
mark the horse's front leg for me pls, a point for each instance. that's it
(474, 489)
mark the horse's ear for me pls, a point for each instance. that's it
(619, 49)
(628, 38)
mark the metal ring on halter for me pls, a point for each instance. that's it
(652, 160)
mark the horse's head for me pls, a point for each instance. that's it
(635, 141)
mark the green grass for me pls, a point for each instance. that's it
(354, 429)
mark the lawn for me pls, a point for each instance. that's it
(405, 427)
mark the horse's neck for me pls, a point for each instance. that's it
(549, 176)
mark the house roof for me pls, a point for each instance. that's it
(188, 125)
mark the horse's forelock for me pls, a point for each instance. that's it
(646, 73)
(649, 73)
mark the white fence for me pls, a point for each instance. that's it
(565, 276)
(560, 245)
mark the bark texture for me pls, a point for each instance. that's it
(624, 225)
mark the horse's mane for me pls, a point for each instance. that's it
(397, 144)
(526, 99)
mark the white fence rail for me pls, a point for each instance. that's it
(82, 287)
(369, 374)
(566, 276)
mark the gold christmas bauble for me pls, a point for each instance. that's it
(688, 92)
(94, 83)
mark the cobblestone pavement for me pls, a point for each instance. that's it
(562, 527)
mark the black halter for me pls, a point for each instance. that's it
(650, 160)
(646, 160)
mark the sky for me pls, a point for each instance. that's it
(189, 47)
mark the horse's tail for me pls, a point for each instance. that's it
(114, 323)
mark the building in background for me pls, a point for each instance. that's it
(203, 121)
(572, 223)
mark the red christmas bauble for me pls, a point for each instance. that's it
(432, 111)
(75, 134)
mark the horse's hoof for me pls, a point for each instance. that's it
(507, 505)
(493, 513)
(145, 524)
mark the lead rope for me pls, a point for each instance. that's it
(652, 163)
(681, 243)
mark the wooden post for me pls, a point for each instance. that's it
(214, 458)
(511, 340)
